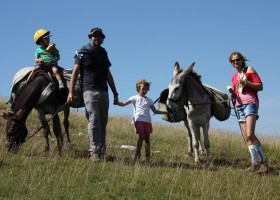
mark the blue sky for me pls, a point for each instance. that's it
(145, 38)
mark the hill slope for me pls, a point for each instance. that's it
(31, 174)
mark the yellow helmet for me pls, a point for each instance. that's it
(41, 33)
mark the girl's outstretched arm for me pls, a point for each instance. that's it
(157, 111)
(122, 104)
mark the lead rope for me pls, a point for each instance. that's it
(237, 116)
(56, 112)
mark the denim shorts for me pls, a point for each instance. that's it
(246, 109)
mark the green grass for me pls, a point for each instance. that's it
(30, 174)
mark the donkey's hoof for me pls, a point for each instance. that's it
(189, 155)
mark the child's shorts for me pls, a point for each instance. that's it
(48, 68)
(246, 109)
(144, 127)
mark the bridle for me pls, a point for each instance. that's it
(183, 99)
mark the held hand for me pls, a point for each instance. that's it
(51, 47)
(230, 89)
(242, 79)
(69, 99)
(116, 99)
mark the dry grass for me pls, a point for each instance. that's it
(32, 175)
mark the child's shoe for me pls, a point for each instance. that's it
(148, 162)
(137, 158)
(61, 86)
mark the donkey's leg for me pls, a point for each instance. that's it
(200, 148)
(46, 133)
(195, 130)
(206, 139)
(66, 123)
(57, 132)
(46, 130)
(190, 144)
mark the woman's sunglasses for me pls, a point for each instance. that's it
(236, 60)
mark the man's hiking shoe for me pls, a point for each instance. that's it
(264, 168)
(252, 168)
(95, 158)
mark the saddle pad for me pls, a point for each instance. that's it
(21, 74)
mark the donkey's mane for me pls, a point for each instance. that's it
(192, 73)
(196, 76)
(17, 94)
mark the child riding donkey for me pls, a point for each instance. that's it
(46, 56)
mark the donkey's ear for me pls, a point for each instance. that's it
(176, 69)
(3, 114)
(189, 69)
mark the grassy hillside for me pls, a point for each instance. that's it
(32, 175)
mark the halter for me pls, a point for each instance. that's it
(181, 101)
